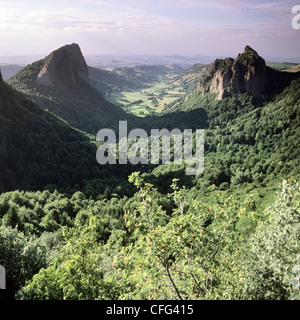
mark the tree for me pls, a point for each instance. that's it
(22, 257)
(76, 273)
(274, 252)
(177, 256)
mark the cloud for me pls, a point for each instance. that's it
(42, 20)
(135, 26)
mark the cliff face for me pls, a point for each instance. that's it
(247, 73)
(63, 67)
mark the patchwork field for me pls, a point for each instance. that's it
(148, 100)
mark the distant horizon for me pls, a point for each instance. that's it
(26, 59)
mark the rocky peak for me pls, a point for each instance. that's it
(63, 67)
(247, 73)
(250, 51)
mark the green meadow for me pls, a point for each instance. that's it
(148, 100)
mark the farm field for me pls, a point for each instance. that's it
(148, 100)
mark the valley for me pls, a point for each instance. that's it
(163, 89)
(149, 100)
(72, 229)
(129, 84)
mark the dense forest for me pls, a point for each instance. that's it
(72, 229)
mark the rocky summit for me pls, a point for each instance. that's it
(64, 67)
(247, 73)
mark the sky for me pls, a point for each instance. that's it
(152, 27)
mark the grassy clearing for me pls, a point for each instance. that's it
(281, 65)
(148, 100)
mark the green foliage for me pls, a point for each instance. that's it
(22, 256)
(176, 256)
(154, 246)
(75, 273)
(52, 152)
(248, 143)
(81, 106)
(91, 234)
(273, 251)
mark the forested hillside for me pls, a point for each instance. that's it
(68, 95)
(248, 142)
(39, 149)
(72, 229)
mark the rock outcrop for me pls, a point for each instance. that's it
(64, 67)
(247, 73)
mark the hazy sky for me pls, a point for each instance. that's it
(162, 27)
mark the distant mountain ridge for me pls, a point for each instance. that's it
(128, 78)
(8, 70)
